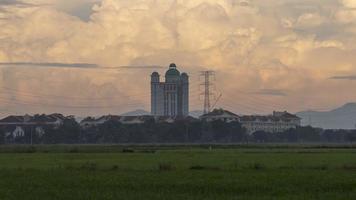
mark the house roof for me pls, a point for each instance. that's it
(188, 119)
(219, 112)
(108, 117)
(58, 116)
(88, 119)
(33, 119)
(289, 115)
(13, 119)
(43, 118)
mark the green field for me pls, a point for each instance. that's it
(106, 172)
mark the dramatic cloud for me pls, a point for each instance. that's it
(271, 92)
(287, 45)
(353, 77)
(12, 2)
(61, 65)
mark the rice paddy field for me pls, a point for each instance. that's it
(176, 172)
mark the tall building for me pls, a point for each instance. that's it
(170, 98)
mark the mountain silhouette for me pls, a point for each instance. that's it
(343, 117)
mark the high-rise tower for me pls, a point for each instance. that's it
(170, 98)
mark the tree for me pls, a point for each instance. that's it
(334, 136)
(112, 131)
(67, 133)
(351, 136)
(2, 136)
(194, 131)
(237, 132)
(262, 137)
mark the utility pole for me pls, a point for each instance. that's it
(207, 86)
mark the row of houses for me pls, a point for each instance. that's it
(274, 123)
(15, 126)
(92, 122)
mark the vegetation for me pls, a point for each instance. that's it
(190, 172)
(114, 132)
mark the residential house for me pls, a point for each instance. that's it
(16, 126)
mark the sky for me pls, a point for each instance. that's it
(67, 55)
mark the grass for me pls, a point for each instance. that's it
(56, 172)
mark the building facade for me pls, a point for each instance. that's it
(276, 123)
(170, 98)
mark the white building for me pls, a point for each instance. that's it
(276, 123)
(170, 98)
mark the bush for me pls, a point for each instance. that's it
(31, 149)
(320, 167)
(126, 150)
(115, 167)
(351, 167)
(199, 167)
(257, 166)
(165, 167)
(74, 150)
(89, 166)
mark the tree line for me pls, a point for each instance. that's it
(181, 131)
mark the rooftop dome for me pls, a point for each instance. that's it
(172, 70)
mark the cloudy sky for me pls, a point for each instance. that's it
(268, 54)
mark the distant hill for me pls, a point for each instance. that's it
(339, 118)
(136, 113)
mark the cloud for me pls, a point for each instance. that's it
(350, 77)
(79, 8)
(349, 3)
(141, 67)
(271, 92)
(12, 2)
(291, 45)
(59, 65)
(5, 4)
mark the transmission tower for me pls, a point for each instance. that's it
(208, 84)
